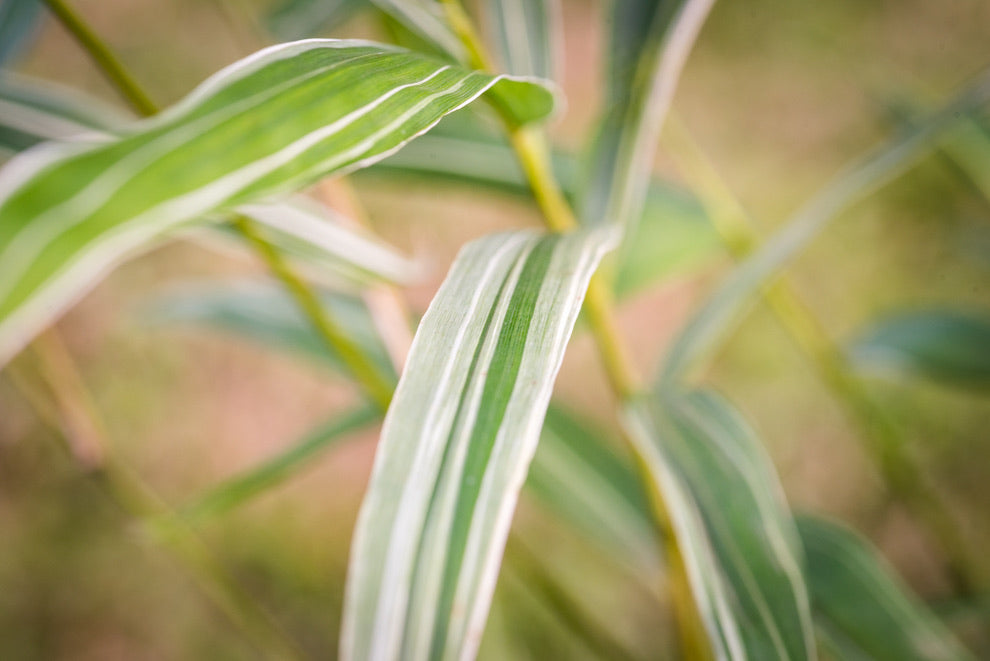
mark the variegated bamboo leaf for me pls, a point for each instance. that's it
(34, 110)
(528, 35)
(295, 19)
(862, 609)
(727, 512)
(456, 444)
(650, 44)
(858, 180)
(266, 125)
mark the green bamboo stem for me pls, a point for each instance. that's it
(532, 154)
(905, 479)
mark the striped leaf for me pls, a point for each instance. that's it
(727, 512)
(34, 110)
(650, 44)
(713, 321)
(19, 20)
(263, 313)
(269, 124)
(457, 442)
(862, 609)
(949, 346)
(527, 34)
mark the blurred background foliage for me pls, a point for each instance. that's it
(779, 94)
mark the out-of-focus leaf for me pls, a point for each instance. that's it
(269, 124)
(727, 511)
(592, 488)
(527, 34)
(951, 346)
(34, 110)
(862, 609)
(19, 20)
(315, 234)
(243, 487)
(426, 18)
(673, 235)
(295, 19)
(650, 43)
(457, 442)
(713, 321)
(264, 313)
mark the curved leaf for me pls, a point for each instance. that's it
(952, 346)
(269, 124)
(456, 444)
(862, 609)
(727, 511)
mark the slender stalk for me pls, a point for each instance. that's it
(905, 479)
(531, 151)
(107, 61)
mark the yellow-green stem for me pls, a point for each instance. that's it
(107, 61)
(903, 477)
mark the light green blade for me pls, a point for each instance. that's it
(713, 321)
(728, 514)
(265, 314)
(269, 124)
(862, 609)
(949, 346)
(650, 43)
(457, 442)
(527, 34)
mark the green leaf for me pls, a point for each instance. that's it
(592, 487)
(241, 488)
(862, 609)
(950, 346)
(727, 512)
(34, 110)
(294, 19)
(267, 125)
(456, 444)
(713, 321)
(527, 34)
(425, 18)
(19, 20)
(650, 42)
(265, 314)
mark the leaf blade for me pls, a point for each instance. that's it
(278, 120)
(456, 443)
